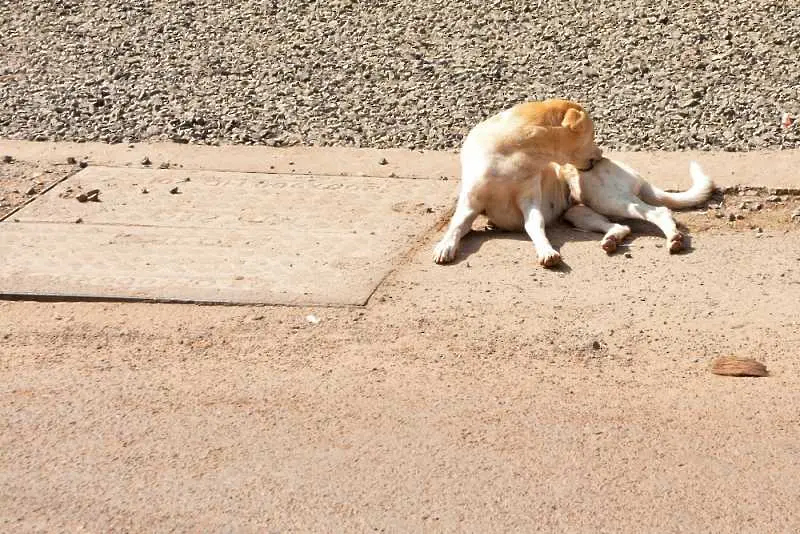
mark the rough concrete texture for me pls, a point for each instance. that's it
(216, 237)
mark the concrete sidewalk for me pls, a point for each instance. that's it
(770, 169)
(256, 225)
(211, 226)
(489, 395)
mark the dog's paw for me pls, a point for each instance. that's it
(444, 252)
(550, 258)
(614, 237)
(609, 244)
(676, 243)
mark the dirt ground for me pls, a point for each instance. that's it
(486, 396)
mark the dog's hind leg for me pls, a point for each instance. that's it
(660, 216)
(585, 218)
(460, 225)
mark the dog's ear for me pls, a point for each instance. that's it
(575, 119)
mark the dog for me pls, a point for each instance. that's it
(612, 189)
(509, 172)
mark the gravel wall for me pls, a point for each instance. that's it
(655, 75)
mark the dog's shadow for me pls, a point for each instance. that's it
(561, 233)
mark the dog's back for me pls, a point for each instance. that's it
(558, 130)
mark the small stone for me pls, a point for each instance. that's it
(734, 366)
(759, 230)
(71, 161)
(31, 191)
(78, 220)
(428, 210)
(740, 216)
(628, 255)
(146, 161)
(743, 206)
(164, 165)
(83, 164)
(796, 215)
(731, 217)
(383, 161)
(8, 159)
(89, 196)
(756, 207)
(774, 198)
(145, 190)
(596, 345)
(174, 190)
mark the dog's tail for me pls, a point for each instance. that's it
(702, 187)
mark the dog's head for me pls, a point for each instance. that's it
(579, 133)
(563, 130)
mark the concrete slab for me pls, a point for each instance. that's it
(770, 169)
(221, 238)
(289, 160)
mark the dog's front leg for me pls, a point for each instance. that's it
(534, 226)
(460, 225)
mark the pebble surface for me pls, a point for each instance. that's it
(670, 75)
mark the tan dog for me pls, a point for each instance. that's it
(612, 189)
(507, 174)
